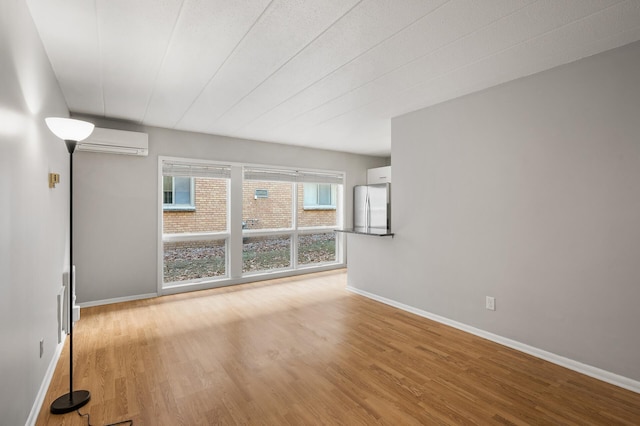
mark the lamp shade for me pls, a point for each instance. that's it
(69, 129)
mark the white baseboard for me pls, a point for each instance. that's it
(44, 386)
(117, 300)
(605, 376)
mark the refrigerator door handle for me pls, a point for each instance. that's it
(367, 209)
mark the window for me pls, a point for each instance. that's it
(177, 193)
(266, 253)
(293, 228)
(287, 219)
(272, 212)
(194, 240)
(267, 215)
(261, 193)
(195, 259)
(317, 247)
(319, 196)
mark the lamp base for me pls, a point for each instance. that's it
(70, 402)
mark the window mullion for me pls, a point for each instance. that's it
(173, 190)
(192, 189)
(235, 223)
(294, 235)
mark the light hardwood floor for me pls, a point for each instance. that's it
(305, 351)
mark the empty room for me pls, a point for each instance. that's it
(292, 212)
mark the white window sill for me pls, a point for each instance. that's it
(179, 208)
(319, 208)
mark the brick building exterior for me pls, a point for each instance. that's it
(314, 217)
(272, 211)
(210, 214)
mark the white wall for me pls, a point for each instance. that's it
(33, 218)
(116, 205)
(528, 192)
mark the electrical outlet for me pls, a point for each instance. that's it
(41, 347)
(490, 303)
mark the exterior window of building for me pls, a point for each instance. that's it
(319, 196)
(178, 193)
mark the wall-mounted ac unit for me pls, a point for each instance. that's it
(116, 142)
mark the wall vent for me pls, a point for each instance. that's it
(112, 141)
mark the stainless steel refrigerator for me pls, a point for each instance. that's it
(372, 208)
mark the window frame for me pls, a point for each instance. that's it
(235, 234)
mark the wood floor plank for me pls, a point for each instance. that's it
(303, 350)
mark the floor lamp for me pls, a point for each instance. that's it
(71, 131)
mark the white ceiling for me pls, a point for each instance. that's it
(321, 73)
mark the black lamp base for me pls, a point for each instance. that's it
(70, 402)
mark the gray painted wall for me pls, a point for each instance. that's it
(116, 210)
(33, 218)
(528, 192)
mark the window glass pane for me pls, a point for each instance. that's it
(316, 248)
(273, 211)
(324, 195)
(310, 194)
(200, 207)
(209, 214)
(189, 260)
(266, 253)
(182, 190)
(315, 215)
(167, 189)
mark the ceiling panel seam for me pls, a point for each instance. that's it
(463, 93)
(195, 99)
(100, 58)
(302, 49)
(467, 65)
(304, 73)
(161, 65)
(336, 69)
(469, 34)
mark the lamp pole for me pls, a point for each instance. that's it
(60, 126)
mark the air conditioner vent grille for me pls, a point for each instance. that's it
(113, 141)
